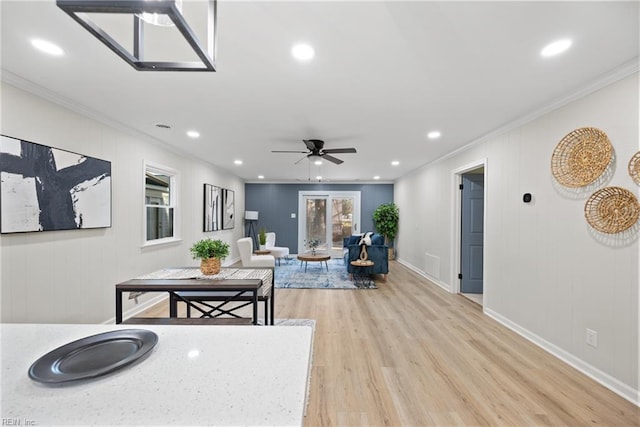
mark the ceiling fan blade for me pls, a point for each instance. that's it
(287, 151)
(332, 159)
(298, 161)
(340, 150)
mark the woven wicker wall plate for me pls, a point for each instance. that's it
(581, 157)
(634, 168)
(612, 210)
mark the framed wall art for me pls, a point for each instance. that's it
(228, 215)
(44, 188)
(212, 207)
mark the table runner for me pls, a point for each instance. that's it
(266, 275)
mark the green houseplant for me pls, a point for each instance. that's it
(210, 252)
(262, 237)
(385, 221)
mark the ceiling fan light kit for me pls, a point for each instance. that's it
(79, 10)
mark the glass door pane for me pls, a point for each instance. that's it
(316, 224)
(341, 222)
(329, 217)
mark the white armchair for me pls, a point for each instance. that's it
(245, 248)
(277, 251)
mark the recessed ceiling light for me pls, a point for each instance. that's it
(433, 134)
(260, 176)
(193, 134)
(376, 177)
(395, 163)
(302, 52)
(556, 48)
(237, 162)
(47, 47)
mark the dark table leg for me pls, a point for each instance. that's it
(173, 305)
(118, 307)
(273, 304)
(255, 307)
(266, 312)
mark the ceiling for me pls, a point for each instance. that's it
(383, 76)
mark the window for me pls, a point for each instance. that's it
(159, 204)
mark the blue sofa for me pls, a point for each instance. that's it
(378, 253)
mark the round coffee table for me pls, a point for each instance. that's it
(307, 258)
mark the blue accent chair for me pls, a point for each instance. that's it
(378, 252)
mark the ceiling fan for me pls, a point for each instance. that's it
(315, 149)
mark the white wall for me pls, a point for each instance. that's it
(547, 275)
(69, 276)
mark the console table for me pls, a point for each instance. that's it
(230, 285)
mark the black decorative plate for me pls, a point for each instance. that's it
(92, 356)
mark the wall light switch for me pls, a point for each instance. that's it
(592, 338)
(293, 215)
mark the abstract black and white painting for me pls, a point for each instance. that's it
(44, 188)
(212, 207)
(228, 199)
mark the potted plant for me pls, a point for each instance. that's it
(313, 245)
(210, 252)
(262, 238)
(385, 221)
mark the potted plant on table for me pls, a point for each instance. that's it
(262, 238)
(313, 245)
(385, 221)
(210, 252)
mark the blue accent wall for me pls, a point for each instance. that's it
(276, 202)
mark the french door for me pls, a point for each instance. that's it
(327, 217)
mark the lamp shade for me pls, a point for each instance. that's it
(251, 215)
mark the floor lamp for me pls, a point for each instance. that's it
(251, 217)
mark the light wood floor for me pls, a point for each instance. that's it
(411, 354)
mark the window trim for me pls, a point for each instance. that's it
(173, 202)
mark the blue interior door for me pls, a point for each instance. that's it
(472, 233)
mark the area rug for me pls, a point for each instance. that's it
(291, 274)
(295, 322)
(312, 324)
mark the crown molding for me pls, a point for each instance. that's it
(58, 99)
(625, 70)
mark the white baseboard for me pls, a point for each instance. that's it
(227, 262)
(592, 372)
(139, 308)
(415, 269)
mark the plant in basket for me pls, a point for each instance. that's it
(210, 252)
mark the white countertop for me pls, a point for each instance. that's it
(242, 375)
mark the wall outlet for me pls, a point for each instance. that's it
(293, 215)
(592, 338)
